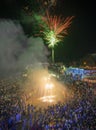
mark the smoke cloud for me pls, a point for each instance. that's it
(17, 50)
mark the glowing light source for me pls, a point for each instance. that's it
(49, 86)
(48, 98)
(55, 28)
(51, 38)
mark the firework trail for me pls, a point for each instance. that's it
(58, 25)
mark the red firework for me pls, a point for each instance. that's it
(57, 24)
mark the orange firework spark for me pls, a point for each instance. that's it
(57, 24)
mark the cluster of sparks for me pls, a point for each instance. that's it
(56, 28)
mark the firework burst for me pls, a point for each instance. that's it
(59, 26)
(55, 29)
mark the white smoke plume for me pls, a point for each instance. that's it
(16, 50)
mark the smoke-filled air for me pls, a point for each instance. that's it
(17, 50)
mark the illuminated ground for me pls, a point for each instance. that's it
(43, 89)
(58, 93)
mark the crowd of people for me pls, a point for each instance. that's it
(77, 113)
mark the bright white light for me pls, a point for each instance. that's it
(49, 86)
(48, 98)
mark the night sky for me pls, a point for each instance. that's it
(81, 39)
